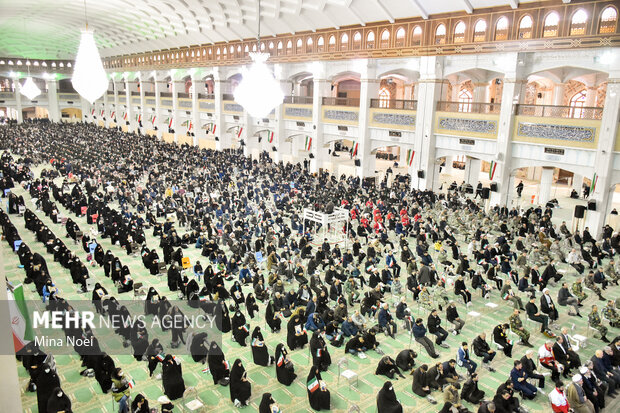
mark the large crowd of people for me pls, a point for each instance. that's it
(411, 257)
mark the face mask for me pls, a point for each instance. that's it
(59, 394)
(47, 370)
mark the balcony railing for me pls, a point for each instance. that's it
(183, 95)
(330, 101)
(304, 100)
(150, 94)
(135, 93)
(469, 107)
(394, 104)
(228, 96)
(206, 96)
(550, 111)
(165, 94)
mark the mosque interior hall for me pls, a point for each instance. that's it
(291, 206)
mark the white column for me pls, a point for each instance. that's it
(369, 89)
(278, 128)
(219, 86)
(407, 91)
(513, 91)
(53, 106)
(590, 97)
(546, 180)
(447, 169)
(159, 118)
(107, 112)
(480, 92)
(558, 94)
(456, 89)
(604, 155)
(198, 86)
(472, 171)
(18, 101)
(177, 86)
(117, 105)
(143, 111)
(129, 107)
(86, 110)
(429, 92)
(321, 88)
(577, 182)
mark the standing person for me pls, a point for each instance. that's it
(318, 395)
(320, 353)
(519, 188)
(387, 401)
(46, 380)
(240, 387)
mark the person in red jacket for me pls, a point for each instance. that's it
(559, 402)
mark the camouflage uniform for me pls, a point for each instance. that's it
(595, 321)
(610, 272)
(611, 314)
(515, 326)
(425, 299)
(589, 281)
(578, 291)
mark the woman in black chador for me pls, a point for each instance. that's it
(260, 353)
(318, 395)
(320, 354)
(240, 387)
(103, 372)
(296, 336)
(239, 330)
(199, 347)
(151, 302)
(59, 402)
(387, 401)
(217, 365)
(285, 371)
(172, 378)
(46, 381)
(271, 317)
(268, 404)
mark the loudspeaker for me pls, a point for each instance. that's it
(493, 187)
(579, 211)
(486, 192)
(311, 156)
(592, 205)
(217, 139)
(273, 148)
(421, 174)
(127, 123)
(358, 162)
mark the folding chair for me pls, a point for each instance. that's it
(193, 405)
(138, 291)
(350, 375)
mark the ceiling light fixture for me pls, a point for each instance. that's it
(259, 92)
(89, 77)
(29, 89)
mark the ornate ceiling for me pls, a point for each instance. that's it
(50, 29)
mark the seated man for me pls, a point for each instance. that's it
(419, 333)
(464, 360)
(529, 366)
(386, 322)
(434, 327)
(518, 376)
(482, 349)
(547, 305)
(548, 361)
(535, 315)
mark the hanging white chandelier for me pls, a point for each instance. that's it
(89, 77)
(259, 92)
(30, 89)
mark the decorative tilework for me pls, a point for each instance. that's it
(298, 112)
(233, 107)
(185, 104)
(548, 131)
(206, 105)
(469, 125)
(149, 101)
(394, 118)
(166, 102)
(341, 115)
(135, 100)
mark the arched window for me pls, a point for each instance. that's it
(501, 29)
(232, 50)
(416, 36)
(270, 45)
(578, 23)
(480, 31)
(577, 102)
(217, 54)
(279, 47)
(525, 27)
(370, 40)
(289, 47)
(344, 41)
(262, 47)
(459, 33)
(440, 34)
(320, 43)
(246, 50)
(385, 39)
(357, 40)
(400, 37)
(331, 43)
(384, 98)
(465, 99)
(609, 19)
(298, 46)
(550, 28)
(309, 44)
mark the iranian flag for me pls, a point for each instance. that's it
(170, 122)
(239, 133)
(271, 137)
(125, 116)
(593, 184)
(191, 125)
(131, 383)
(92, 112)
(214, 127)
(492, 170)
(313, 385)
(280, 361)
(410, 155)
(308, 145)
(102, 112)
(153, 119)
(112, 115)
(355, 147)
(139, 118)
(20, 319)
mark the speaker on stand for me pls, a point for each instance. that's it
(578, 216)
